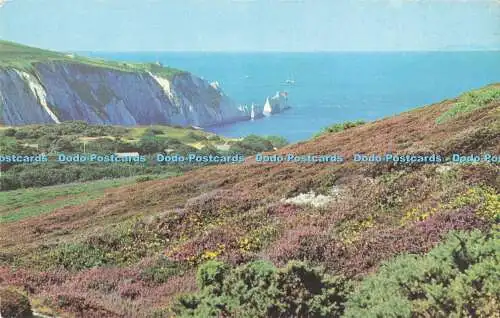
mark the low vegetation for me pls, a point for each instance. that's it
(275, 240)
(81, 138)
(335, 128)
(471, 101)
(14, 304)
(19, 204)
(459, 278)
(259, 289)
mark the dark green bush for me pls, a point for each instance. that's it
(459, 278)
(9, 132)
(65, 144)
(21, 134)
(150, 145)
(258, 289)
(250, 145)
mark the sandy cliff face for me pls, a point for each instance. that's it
(54, 92)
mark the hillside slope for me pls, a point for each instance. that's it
(132, 252)
(38, 86)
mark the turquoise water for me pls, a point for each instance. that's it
(331, 87)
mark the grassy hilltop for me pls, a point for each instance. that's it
(17, 56)
(281, 240)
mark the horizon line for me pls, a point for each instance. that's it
(277, 51)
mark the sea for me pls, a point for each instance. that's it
(329, 88)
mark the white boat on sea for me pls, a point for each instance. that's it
(290, 81)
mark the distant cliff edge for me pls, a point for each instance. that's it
(38, 86)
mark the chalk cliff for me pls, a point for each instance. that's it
(55, 91)
(276, 104)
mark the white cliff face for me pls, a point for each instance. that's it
(74, 91)
(62, 91)
(165, 85)
(18, 104)
(38, 92)
(276, 104)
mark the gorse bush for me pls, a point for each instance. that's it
(459, 278)
(484, 199)
(259, 289)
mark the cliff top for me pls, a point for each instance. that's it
(13, 55)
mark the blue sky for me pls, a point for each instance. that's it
(252, 25)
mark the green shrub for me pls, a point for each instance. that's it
(76, 257)
(251, 145)
(211, 274)
(151, 145)
(65, 144)
(9, 132)
(340, 127)
(21, 134)
(161, 271)
(277, 141)
(143, 179)
(459, 278)
(258, 289)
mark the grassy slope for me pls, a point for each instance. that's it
(235, 213)
(13, 55)
(20, 204)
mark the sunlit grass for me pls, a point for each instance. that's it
(471, 101)
(13, 55)
(20, 204)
